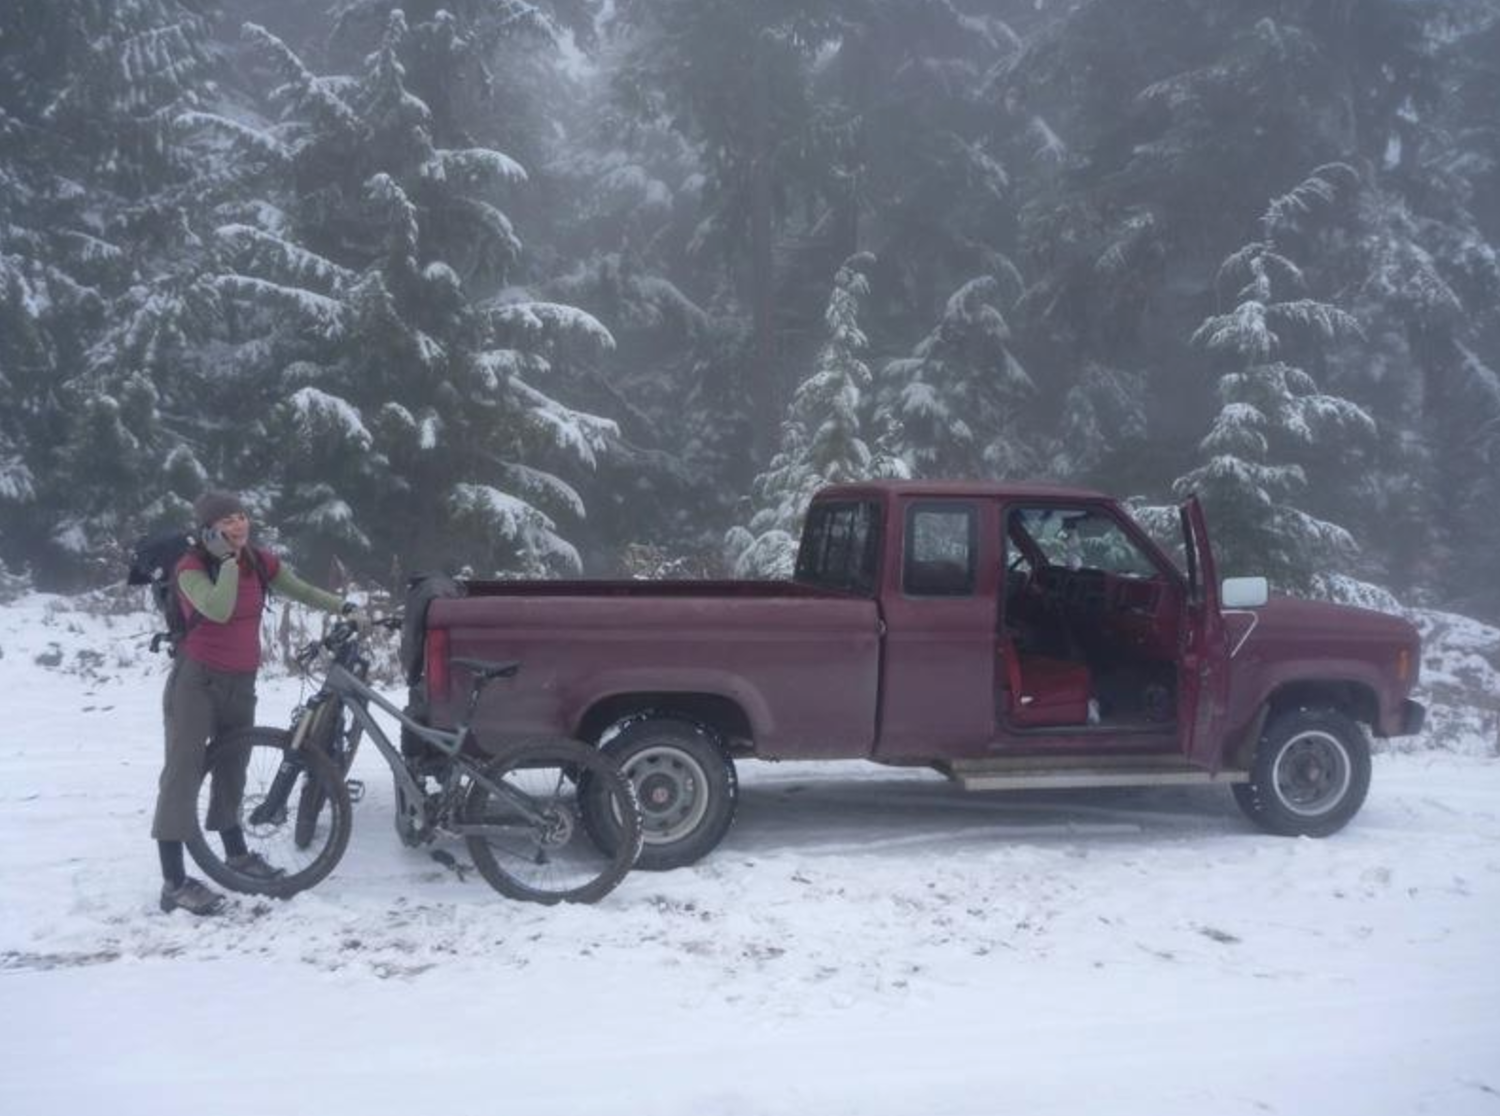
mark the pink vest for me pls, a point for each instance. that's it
(233, 645)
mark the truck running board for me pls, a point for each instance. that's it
(1030, 772)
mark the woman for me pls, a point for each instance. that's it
(211, 690)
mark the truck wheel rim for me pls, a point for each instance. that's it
(1312, 773)
(672, 788)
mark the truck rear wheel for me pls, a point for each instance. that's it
(1310, 775)
(686, 784)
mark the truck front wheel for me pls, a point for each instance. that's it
(686, 785)
(1310, 775)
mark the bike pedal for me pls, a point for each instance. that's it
(356, 789)
(450, 862)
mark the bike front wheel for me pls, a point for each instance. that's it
(523, 821)
(253, 780)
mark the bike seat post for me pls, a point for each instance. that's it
(475, 687)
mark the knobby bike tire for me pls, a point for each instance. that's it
(558, 861)
(260, 752)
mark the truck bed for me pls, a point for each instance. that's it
(799, 664)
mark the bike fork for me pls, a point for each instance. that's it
(273, 807)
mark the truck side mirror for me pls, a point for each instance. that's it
(1244, 592)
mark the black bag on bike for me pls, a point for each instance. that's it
(421, 591)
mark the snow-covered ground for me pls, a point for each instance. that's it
(865, 942)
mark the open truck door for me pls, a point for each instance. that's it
(1203, 667)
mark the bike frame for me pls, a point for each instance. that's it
(341, 683)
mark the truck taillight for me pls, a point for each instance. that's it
(1403, 664)
(435, 656)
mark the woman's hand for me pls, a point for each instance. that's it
(217, 544)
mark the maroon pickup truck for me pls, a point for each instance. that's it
(1007, 635)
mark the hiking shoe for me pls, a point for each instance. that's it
(253, 865)
(192, 896)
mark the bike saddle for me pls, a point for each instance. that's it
(484, 670)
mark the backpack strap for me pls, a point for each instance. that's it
(211, 568)
(257, 563)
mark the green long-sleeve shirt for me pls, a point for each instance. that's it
(215, 598)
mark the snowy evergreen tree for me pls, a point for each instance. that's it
(752, 173)
(631, 185)
(402, 417)
(294, 263)
(1151, 126)
(488, 71)
(822, 440)
(1272, 410)
(632, 176)
(1424, 264)
(92, 230)
(959, 400)
(735, 78)
(913, 171)
(1103, 427)
(667, 479)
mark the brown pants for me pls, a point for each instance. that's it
(200, 705)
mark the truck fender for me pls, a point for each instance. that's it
(724, 705)
(1350, 685)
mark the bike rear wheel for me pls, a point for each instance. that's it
(531, 798)
(254, 780)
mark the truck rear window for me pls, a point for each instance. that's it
(841, 546)
(940, 550)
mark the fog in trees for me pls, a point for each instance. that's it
(535, 287)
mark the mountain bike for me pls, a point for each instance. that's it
(520, 808)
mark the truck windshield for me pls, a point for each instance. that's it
(1079, 538)
(840, 546)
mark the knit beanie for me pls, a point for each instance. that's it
(211, 507)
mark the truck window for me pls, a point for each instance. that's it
(1080, 538)
(840, 546)
(940, 550)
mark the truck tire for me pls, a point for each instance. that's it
(1310, 774)
(686, 784)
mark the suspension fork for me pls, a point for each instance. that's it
(273, 807)
(340, 744)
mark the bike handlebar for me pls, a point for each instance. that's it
(341, 633)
